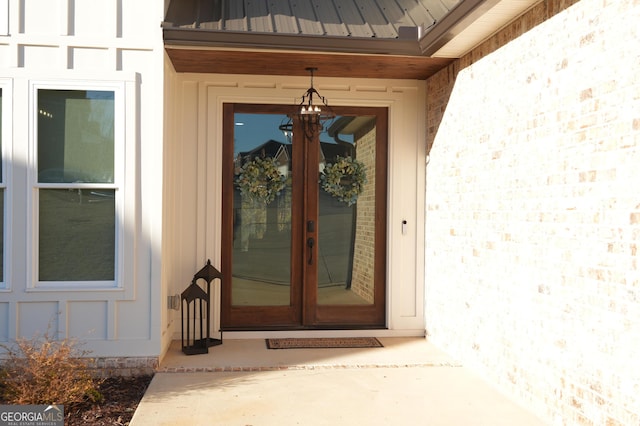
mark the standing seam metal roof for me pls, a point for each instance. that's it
(339, 18)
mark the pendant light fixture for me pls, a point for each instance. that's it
(313, 111)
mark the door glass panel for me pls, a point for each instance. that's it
(261, 264)
(346, 220)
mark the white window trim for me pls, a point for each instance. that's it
(7, 140)
(4, 17)
(118, 87)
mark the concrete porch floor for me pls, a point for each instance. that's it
(407, 382)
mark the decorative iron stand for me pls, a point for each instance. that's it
(191, 345)
(195, 293)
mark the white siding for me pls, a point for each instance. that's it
(195, 181)
(4, 17)
(69, 42)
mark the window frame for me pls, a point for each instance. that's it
(6, 85)
(118, 185)
(4, 17)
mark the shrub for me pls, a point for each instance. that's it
(46, 371)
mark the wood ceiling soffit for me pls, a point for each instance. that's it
(295, 63)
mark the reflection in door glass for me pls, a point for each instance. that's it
(262, 233)
(347, 212)
(262, 212)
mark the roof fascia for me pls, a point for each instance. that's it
(235, 39)
(453, 23)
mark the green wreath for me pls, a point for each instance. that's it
(260, 180)
(344, 179)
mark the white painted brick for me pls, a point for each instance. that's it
(533, 216)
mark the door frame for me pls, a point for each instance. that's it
(303, 311)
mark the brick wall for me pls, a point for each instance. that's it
(533, 211)
(364, 245)
(123, 366)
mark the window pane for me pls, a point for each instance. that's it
(1, 199)
(1, 234)
(75, 136)
(77, 234)
(1, 159)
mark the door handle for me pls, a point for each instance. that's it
(310, 243)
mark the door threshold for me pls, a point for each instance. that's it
(322, 333)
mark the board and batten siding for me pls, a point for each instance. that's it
(71, 43)
(196, 170)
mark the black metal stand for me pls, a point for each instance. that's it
(193, 294)
(196, 295)
(209, 274)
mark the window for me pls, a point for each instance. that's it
(4, 17)
(5, 186)
(77, 185)
(2, 189)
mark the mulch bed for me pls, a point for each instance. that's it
(121, 398)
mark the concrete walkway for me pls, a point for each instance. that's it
(408, 382)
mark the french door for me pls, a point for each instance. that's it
(304, 219)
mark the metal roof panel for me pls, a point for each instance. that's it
(350, 15)
(283, 18)
(372, 14)
(395, 14)
(438, 9)
(337, 18)
(329, 19)
(258, 15)
(418, 12)
(234, 16)
(303, 12)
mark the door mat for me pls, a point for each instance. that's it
(322, 342)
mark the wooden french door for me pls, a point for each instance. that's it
(304, 219)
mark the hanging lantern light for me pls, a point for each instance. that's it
(313, 111)
(309, 106)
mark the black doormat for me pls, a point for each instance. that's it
(323, 342)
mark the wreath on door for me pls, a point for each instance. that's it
(260, 180)
(344, 179)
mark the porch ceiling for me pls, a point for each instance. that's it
(403, 39)
(295, 63)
